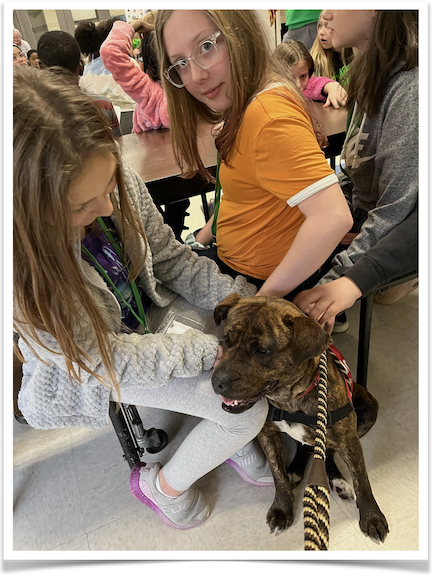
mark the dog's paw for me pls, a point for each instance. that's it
(375, 526)
(342, 489)
(279, 521)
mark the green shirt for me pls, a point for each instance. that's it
(298, 18)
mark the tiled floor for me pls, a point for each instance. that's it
(71, 486)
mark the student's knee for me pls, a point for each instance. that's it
(254, 419)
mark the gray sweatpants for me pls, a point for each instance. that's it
(219, 435)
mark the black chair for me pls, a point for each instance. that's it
(366, 305)
(126, 121)
(334, 148)
(133, 439)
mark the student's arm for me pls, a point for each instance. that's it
(336, 95)
(314, 88)
(328, 219)
(148, 94)
(205, 236)
(393, 256)
(396, 171)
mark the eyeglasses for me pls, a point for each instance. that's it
(205, 55)
(19, 56)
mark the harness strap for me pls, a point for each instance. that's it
(277, 415)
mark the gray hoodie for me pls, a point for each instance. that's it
(381, 155)
(48, 399)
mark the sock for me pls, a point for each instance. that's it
(159, 489)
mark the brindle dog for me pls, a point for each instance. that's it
(272, 349)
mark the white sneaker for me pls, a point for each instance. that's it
(182, 512)
(252, 465)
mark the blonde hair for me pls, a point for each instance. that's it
(327, 60)
(56, 128)
(252, 68)
(150, 17)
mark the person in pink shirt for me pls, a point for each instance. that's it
(296, 56)
(143, 87)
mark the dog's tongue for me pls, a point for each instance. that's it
(228, 402)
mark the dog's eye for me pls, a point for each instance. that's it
(262, 351)
(230, 338)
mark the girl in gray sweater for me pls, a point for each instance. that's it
(381, 146)
(94, 266)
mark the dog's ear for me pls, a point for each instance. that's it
(308, 340)
(222, 309)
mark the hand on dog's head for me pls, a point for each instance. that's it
(268, 344)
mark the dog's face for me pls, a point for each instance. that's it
(266, 343)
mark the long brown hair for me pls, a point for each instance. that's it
(252, 68)
(56, 128)
(293, 52)
(392, 47)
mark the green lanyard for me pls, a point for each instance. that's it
(141, 318)
(217, 198)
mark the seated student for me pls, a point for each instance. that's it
(58, 48)
(19, 58)
(33, 59)
(83, 314)
(96, 78)
(143, 87)
(295, 55)
(381, 145)
(330, 61)
(278, 190)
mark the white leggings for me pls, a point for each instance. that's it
(220, 434)
(217, 437)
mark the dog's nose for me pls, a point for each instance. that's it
(223, 379)
(220, 385)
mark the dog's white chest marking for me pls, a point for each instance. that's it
(293, 429)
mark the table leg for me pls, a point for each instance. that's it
(205, 207)
(366, 305)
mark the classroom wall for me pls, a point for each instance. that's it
(273, 32)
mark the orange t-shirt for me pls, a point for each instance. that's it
(276, 163)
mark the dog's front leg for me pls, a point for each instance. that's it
(372, 520)
(281, 513)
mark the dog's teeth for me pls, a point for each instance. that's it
(235, 402)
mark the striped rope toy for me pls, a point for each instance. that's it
(316, 499)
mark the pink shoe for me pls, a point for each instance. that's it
(186, 511)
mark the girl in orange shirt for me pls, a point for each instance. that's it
(282, 211)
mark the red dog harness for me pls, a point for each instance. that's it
(341, 363)
(276, 414)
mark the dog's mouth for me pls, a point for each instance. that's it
(238, 406)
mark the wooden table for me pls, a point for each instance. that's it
(151, 155)
(333, 122)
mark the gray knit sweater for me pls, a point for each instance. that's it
(381, 156)
(48, 399)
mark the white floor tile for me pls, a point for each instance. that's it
(47, 504)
